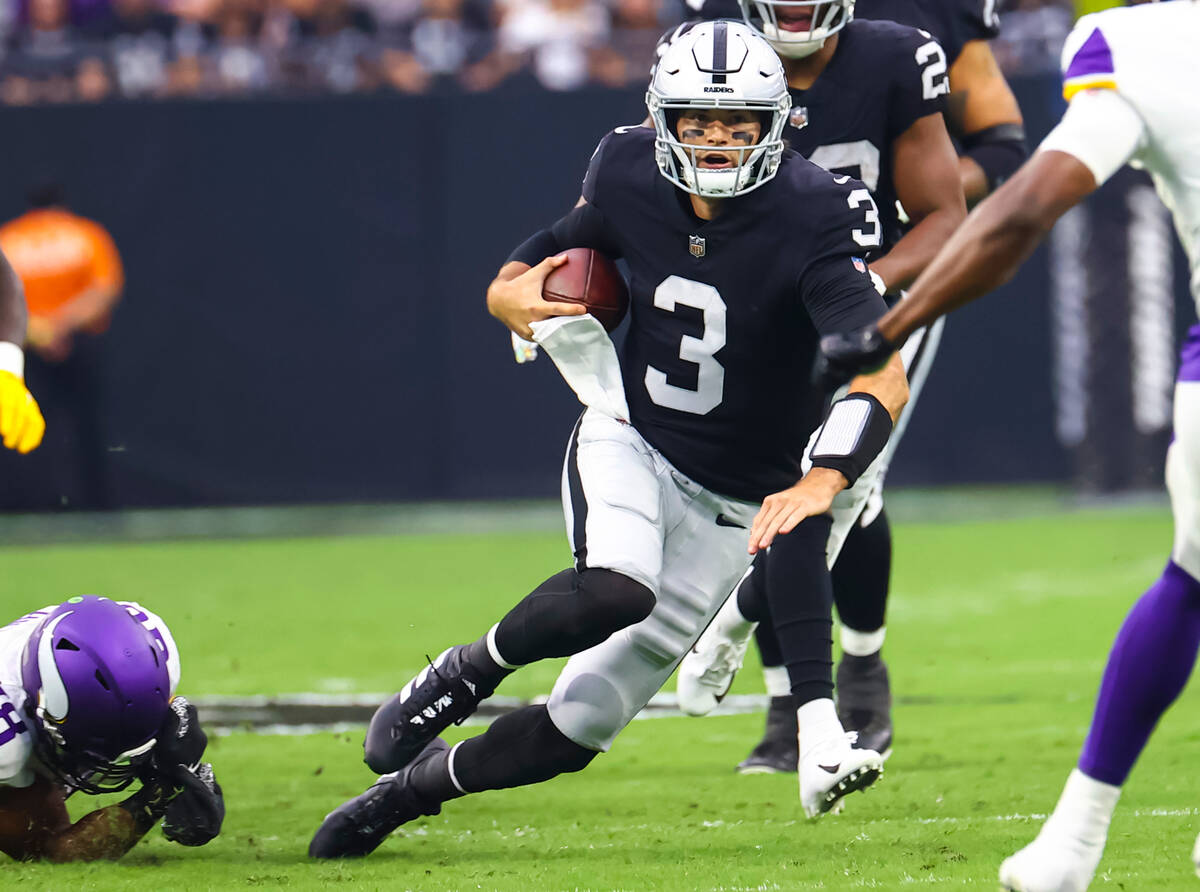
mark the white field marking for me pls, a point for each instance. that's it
(337, 685)
(225, 715)
(290, 730)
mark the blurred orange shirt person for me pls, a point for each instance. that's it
(72, 275)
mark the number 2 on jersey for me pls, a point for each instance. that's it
(710, 377)
(933, 69)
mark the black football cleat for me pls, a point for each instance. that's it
(777, 752)
(356, 828)
(445, 693)
(864, 701)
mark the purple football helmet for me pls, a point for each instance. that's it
(97, 691)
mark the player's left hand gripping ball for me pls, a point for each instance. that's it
(845, 356)
(21, 422)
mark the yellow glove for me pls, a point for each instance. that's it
(21, 422)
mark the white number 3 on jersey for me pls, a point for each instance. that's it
(866, 237)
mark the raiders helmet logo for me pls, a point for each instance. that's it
(798, 117)
(696, 245)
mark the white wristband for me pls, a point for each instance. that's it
(12, 359)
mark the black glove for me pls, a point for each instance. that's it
(194, 817)
(181, 742)
(844, 356)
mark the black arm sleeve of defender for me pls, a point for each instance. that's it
(999, 150)
(838, 296)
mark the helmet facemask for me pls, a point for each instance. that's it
(797, 28)
(719, 65)
(679, 162)
(85, 771)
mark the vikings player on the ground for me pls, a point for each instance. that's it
(867, 99)
(740, 253)
(86, 706)
(21, 423)
(1127, 75)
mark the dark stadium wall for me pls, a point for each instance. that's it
(304, 319)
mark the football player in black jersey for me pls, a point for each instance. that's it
(867, 101)
(690, 455)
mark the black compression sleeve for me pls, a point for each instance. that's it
(583, 227)
(536, 248)
(999, 150)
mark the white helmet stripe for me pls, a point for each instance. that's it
(54, 692)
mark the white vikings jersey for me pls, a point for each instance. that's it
(16, 733)
(1149, 57)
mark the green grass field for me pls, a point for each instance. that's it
(997, 635)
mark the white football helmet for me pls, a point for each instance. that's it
(823, 19)
(720, 64)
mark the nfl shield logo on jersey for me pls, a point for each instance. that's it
(696, 245)
(798, 117)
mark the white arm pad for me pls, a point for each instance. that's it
(12, 359)
(1101, 129)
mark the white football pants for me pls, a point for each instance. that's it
(628, 510)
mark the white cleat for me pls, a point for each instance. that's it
(707, 672)
(1196, 856)
(1053, 862)
(833, 770)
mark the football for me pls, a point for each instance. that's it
(591, 279)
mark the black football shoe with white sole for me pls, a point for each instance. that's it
(777, 752)
(864, 701)
(356, 828)
(444, 693)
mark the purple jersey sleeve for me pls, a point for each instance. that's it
(1087, 63)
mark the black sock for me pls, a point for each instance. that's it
(861, 575)
(523, 747)
(800, 598)
(751, 600)
(752, 604)
(570, 612)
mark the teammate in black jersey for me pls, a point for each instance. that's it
(981, 111)
(741, 254)
(867, 100)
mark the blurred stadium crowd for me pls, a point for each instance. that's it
(98, 50)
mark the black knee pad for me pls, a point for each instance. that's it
(570, 612)
(618, 601)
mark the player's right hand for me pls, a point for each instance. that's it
(21, 422)
(181, 740)
(518, 301)
(846, 356)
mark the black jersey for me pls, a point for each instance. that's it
(953, 22)
(725, 314)
(881, 79)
